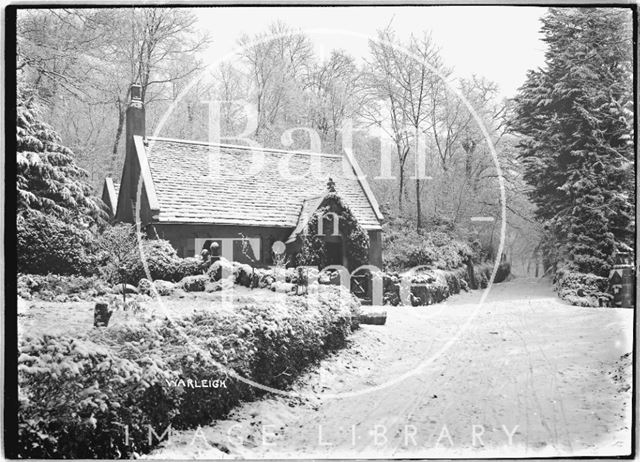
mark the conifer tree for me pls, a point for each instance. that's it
(576, 115)
(57, 214)
(47, 178)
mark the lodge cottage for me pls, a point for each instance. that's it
(192, 205)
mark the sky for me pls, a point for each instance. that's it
(497, 42)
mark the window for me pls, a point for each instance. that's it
(243, 250)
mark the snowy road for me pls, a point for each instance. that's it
(523, 374)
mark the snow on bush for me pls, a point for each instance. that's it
(77, 395)
(582, 289)
(194, 283)
(52, 287)
(220, 268)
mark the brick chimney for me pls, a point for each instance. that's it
(135, 114)
(135, 126)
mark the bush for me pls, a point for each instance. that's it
(144, 286)
(164, 288)
(77, 394)
(265, 277)
(45, 244)
(191, 266)
(405, 248)
(161, 259)
(582, 289)
(120, 258)
(242, 274)
(194, 283)
(116, 245)
(52, 285)
(428, 286)
(482, 274)
(76, 397)
(219, 267)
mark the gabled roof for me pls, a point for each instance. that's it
(309, 206)
(110, 191)
(274, 197)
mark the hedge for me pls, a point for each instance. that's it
(77, 394)
(434, 286)
(404, 248)
(54, 287)
(46, 244)
(582, 289)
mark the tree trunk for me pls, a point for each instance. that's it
(418, 206)
(401, 190)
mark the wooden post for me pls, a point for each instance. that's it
(101, 314)
(472, 277)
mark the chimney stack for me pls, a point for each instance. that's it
(135, 114)
(131, 174)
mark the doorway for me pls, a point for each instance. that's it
(334, 253)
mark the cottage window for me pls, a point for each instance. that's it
(242, 250)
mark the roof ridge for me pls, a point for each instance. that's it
(241, 147)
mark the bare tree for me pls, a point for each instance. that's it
(383, 100)
(277, 60)
(159, 37)
(94, 55)
(418, 72)
(332, 88)
(400, 81)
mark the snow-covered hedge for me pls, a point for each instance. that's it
(77, 395)
(54, 287)
(427, 287)
(582, 289)
(434, 286)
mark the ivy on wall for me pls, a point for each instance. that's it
(313, 251)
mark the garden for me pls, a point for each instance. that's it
(95, 392)
(171, 320)
(92, 386)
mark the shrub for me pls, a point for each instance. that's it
(161, 259)
(45, 244)
(52, 285)
(218, 268)
(77, 394)
(121, 251)
(427, 286)
(191, 266)
(265, 277)
(194, 283)
(482, 273)
(242, 274)
(144, 286)
(581, 289)
(116, 245)
(164, 287)
(404, 248)
(121, 259)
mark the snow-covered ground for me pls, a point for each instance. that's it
(523, 374)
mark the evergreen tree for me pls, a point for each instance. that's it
(47, 178)
(57, 215)
(576, 115)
